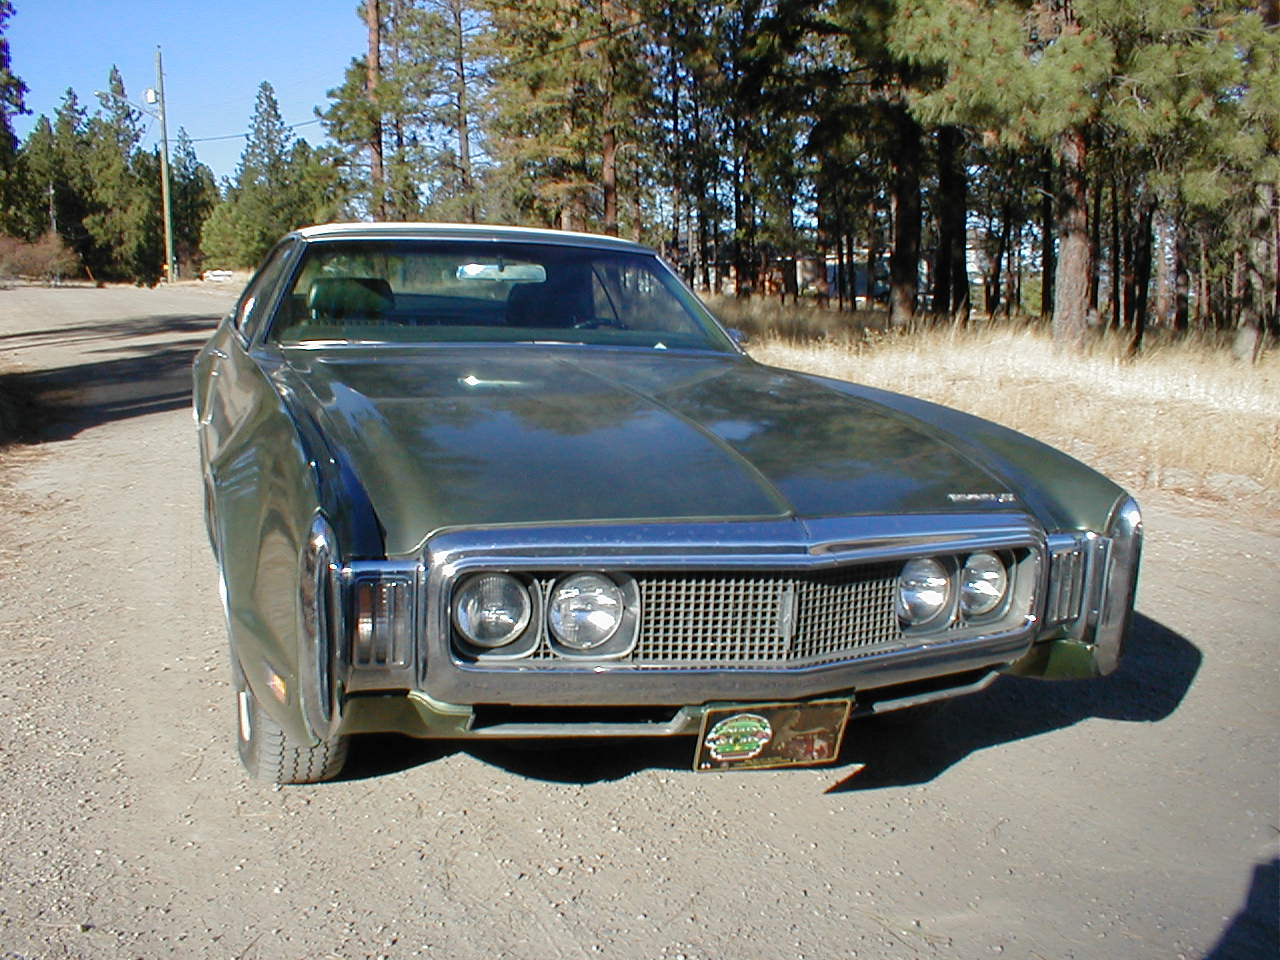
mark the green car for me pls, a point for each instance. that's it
(492, 482)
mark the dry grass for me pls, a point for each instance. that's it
(1185, 416)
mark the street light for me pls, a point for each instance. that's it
(155, 97)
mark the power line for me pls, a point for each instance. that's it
(238, 136)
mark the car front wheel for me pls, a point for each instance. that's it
(268, 752)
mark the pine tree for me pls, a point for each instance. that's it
(571, 89)
(121, 191)
(451, 43)
(54, 163)
(41, 172)
(1179, 91)
(280, 184)
(195, 194)
(351, 122)
(12, 103)
(423, 107)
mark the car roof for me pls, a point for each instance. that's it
(462, 231)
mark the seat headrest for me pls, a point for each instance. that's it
(341, 297)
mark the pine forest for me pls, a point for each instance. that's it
(1096, 164)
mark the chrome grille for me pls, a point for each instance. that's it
(713, 619)
(837, 614)
(744, 620)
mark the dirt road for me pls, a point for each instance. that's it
(1135, 817)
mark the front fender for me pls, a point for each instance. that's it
(265, 501)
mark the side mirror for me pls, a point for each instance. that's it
(739, 338)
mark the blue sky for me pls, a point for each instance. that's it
(215, 55)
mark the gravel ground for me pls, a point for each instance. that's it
(1134, 817)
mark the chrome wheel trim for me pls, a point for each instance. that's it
(246, 717)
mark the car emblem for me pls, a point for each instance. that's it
(982, 498)
(739, 737)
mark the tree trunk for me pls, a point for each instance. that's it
(378, 198)
(1270, 10)
(463, 107)
(1128, 242)
(1048, 252)
(904, 261)
(994, 286)
(1071, 280)
(673, 151)
(842, 269)
(740, 286)
(946, 139)
(790, 278)
(1258, 281)
(1163, 228)
(1117, 301)
(1203, 291)
(609, 180)
(1181, 276)
(1141, 273)
(703, 254)
(679, 256)
(1095, 244)
(873, 260)
(951, 280)
(1016, 271)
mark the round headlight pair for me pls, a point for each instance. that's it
(493, 610)
(925, 587)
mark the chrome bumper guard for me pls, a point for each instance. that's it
(1092, 582)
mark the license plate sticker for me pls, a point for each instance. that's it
(762, 736)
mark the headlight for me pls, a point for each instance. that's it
(492, 609)
(585, 611)
(983, 584)
(924, 589)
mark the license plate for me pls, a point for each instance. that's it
(760, 736)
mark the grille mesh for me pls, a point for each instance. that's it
(760, 620)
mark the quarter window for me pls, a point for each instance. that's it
(261, 291)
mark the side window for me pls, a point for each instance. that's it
(634, 296)
(261, 291)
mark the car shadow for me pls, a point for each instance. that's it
(111, 331)
(1255, 930)
(1155, 674)
(551, 761)
(125, 377)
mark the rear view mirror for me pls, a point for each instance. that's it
(509, 272)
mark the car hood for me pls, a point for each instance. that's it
(460, 436)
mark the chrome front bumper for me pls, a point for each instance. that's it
(789, 545)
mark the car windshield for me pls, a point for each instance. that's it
(408, 291)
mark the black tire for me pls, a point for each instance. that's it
(270, 753)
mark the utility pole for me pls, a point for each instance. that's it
(166, 195)
(53, 213)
